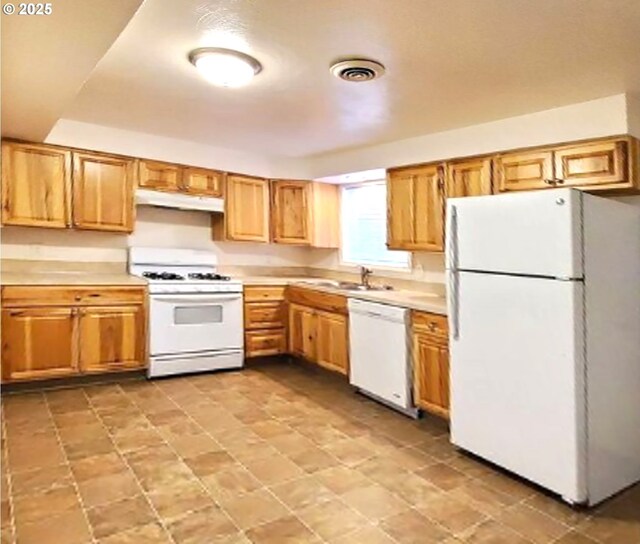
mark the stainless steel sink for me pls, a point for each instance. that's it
(353, 286)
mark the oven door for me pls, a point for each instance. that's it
(191, 323)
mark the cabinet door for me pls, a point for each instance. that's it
(290, 212)
(112, 338)
(523, 171)
(333, 342)
(247, 209)
(428, 209)
(103, 192)
(302, 331)
(588, 165)
(160, 176)
(400, 209)
(203, 182)
(471, 177)
(431, 374)
(38, 343)
(36, 184)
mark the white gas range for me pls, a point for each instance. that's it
(195, 314)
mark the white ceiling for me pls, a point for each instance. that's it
(47, 58)
(449, 64)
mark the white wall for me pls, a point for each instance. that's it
(602, 117)
(633, 114)
(138, 144)
(154, 228)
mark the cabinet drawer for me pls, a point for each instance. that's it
(263, 293)
(260, 343)
(432, 324)
(77, 296)
(263, 315)
(320, 300)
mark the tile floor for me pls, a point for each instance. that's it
(278, 453)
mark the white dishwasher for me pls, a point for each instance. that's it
(379, 357)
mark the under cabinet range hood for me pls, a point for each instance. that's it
(178, 201)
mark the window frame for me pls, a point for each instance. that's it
(405, 268)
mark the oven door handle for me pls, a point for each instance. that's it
(196, 299)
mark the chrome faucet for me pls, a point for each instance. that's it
(364, 276)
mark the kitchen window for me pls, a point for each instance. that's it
(364, 227)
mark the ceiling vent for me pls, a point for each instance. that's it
(357, 70)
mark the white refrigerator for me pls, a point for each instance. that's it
(544, 312)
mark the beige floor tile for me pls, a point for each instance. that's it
(302, 492)
(288, 530)
(270, 429)
(442, 476)
(492, 532)
(411, 528)
(231, 482)
(97, 465)
(609, 529)
(482, 498)
(163, 474)
(91, 431)
(194, 444)
(575, 538)
(40, 454)
(174, 501)
(368, 535)
(152, 533)
(120, 516)
(273, 470)
(109, 488)
(383, 471)
(331, 519)
(536, 526)
(349, 452)
(340, 479)
(88, 448)
(410, 458)
(291, 443)
(413, 489)
(202, 527)
(374, 502)
(253, 509)
(70, 528)
(450, 513)
(40, 479)
(558, 509)
(133, 440)
(313, 459)
(28, 508)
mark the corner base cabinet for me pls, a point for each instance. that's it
(53, 332)
(430, 355)
(319, 328)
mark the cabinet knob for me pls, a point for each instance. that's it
(432, 327)
(78, 297)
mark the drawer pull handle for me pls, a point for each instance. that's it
(432, 327)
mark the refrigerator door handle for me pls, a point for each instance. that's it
(452, 291)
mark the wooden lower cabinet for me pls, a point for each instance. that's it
(265, 327)
(111, 338)
(430, 354)
(319, 337)
(332, 342)
(45, 335)
(39, 343)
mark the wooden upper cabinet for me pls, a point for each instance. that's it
(333, 342)
(469, 177)
(160, 176)
(325, 215)
(593, 164)
(103, 188)
(203, 182)
(38, 343)
(290, 211)
(36, 185)
(246, 216)
(415, 215)
(523, 171)
(112, 338)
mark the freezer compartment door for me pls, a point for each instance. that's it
(517, 377)
(537, 233)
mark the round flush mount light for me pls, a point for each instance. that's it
(357, 70)
(224, 67)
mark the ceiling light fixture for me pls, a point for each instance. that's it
(224, 67)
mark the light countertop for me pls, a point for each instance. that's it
(414, 300)
(69, 278)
